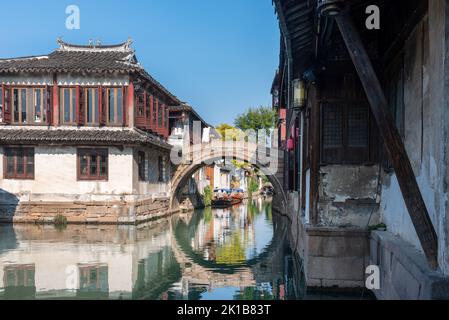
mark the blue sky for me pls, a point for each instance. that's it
(220, 56)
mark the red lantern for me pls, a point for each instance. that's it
(290, 144)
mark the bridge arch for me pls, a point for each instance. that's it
(210, 152)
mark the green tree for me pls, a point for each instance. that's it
(207, 196)
(256, 119)
(228, 132)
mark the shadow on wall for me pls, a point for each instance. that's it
(8, 206)
(191, 191)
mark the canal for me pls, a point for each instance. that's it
(237, 253)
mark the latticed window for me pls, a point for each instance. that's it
(358, 127)
(160, 115)
(332, 126)
(92, 164)
(140, 105)
(154, 111)
(345, 133)
(19, 163)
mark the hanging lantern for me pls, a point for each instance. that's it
(331, 8)
(299, 93)
(290, 144)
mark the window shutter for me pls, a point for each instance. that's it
(6, 104)
(48, 104)
(2, 103)
(124, 104)
(80, 106)
(102, 105)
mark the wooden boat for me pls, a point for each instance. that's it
(222, 198)
(237, 196)
(222, 203)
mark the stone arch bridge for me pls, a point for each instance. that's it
(268, 161)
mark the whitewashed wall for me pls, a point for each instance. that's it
(152, 186)
(426, 121)
(56, 177)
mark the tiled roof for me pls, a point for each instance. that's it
(75, 58)
(87, 59)
(187, 108)
(80, 137)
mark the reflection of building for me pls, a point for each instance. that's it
(93, 281)
(157, 261)
(19, 281)
(86, 263)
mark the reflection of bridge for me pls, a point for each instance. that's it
(212, 275)
(266, 160)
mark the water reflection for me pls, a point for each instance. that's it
(237, 253)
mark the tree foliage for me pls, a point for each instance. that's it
(228, 132)
(256, 119)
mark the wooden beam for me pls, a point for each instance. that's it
(393, 142)
(314, 159)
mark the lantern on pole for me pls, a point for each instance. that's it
(299, 93)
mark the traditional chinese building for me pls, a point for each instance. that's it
(83, 133)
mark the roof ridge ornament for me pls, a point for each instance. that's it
(128, 43)
(95, 46)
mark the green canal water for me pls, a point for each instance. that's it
(237, 253)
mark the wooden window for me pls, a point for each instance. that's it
(19, 103)
(67, 103)
(92, 164)
(159, 115)
(115, 106)
(154, 111)
(39, 105)
(141, 165)
(91, 103)
(148, 110)
(166, 117)
(6, 98)
(140, 104)
(19, 163)
(1, 104)
(345, 133)
(358, 127)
